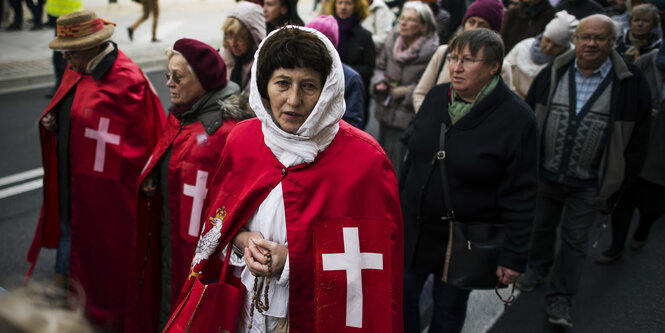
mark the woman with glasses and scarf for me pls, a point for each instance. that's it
(491, 168)
(177, 176)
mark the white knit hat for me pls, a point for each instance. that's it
(561, 28)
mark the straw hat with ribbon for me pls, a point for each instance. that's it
(80, 31)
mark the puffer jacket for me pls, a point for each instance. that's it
(398, 112)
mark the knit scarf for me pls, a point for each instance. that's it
(240, 62)
(633, 52)
(537, 56)
(345, 26)
(404, 53)
(458, 108)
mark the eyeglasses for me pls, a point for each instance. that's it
(600, 39)
(453, 59)
(173, 77)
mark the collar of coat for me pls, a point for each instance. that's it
(563, 61)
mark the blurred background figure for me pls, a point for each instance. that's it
(37, 9)
(149, 7)
(244, 28)
(55, 9)
(531, 55)
(401, 63)
(481, 14)
(525, 20)
(281, 12)
(623, 17)
(30, 310)
(580, 8)
(354, 90)
(640, 38)
(379, 22)
(442, 18)
(355, 44)
(17, 22)
(647, 195)
(205, 108)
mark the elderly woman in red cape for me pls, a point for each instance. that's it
(96, 136)
(308, 202)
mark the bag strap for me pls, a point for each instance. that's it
(440, 156)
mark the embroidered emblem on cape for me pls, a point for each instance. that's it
(208, 243)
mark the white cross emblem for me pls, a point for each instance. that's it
(103, 137)
(353, 262)
(198, 192)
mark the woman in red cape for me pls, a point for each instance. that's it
(309, 203)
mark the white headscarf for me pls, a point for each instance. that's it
(319, 129)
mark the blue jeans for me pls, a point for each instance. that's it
(64, 249)
(574, 207)
(449, 304)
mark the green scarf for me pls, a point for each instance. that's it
(458, 108)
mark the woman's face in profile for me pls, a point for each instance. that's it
(273, 10)
(184, 86)
(293, 93)
(550, 48)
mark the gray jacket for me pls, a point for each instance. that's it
(654, 165)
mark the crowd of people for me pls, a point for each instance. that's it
(534, 116)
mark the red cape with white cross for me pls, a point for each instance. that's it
(193, 159)
(344, 228)
(115, 124)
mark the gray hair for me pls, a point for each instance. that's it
(614, 30)
(424, 13)
(170, 52)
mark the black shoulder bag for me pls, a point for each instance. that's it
(473, 248)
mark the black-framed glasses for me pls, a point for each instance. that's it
(454, 59)
(173, 77)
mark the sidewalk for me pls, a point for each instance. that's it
(26, 59)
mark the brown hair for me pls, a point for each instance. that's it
(291, 48)
(360, 8)
(480, 39)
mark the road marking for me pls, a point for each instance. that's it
(21, 176)
(18, 189)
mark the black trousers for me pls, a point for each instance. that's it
(649, 199)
